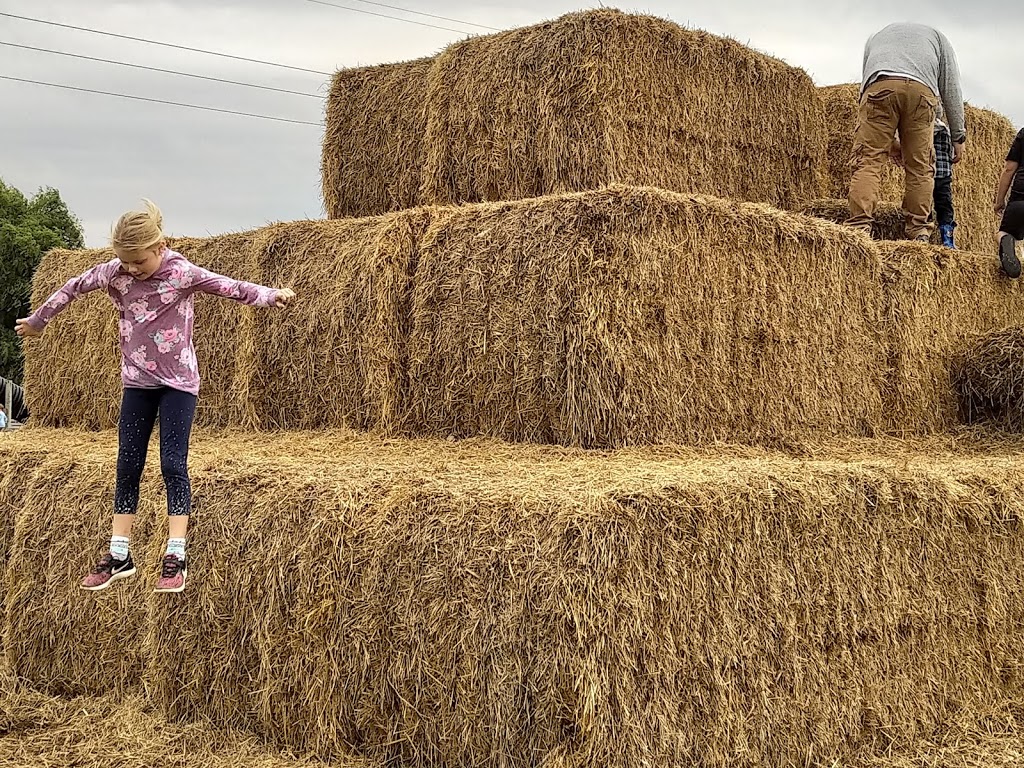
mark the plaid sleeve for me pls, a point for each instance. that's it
(943, 153)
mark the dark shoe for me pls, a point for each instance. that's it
(923, 239)
(107, 571)
(172, 575)
(947, 235)
(1008, 256)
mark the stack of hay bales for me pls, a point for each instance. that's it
(568, 235)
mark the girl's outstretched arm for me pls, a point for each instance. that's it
(91, 280)
(205, 281)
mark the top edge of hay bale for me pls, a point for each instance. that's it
(576, 103)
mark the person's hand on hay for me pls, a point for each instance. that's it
(283, 296)
(23, 329)
(896, 153)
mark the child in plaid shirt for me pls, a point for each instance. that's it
(943, 194)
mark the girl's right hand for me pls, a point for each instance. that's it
(23, 329)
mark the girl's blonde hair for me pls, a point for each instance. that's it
(138, 230)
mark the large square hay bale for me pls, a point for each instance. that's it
(989, 136)
(630, 316)
(424, 603)
(590, 99)
(373, 147)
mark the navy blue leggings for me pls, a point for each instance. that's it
(139, 409)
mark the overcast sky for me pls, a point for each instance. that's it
(214, 173)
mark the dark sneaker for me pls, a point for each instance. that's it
(1008, 256)
(172, 575)
(107, 571)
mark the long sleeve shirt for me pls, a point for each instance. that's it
(156, 315)
(923, 54)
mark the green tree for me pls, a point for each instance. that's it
(28, 229)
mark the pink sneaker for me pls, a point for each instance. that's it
(172, 575)
(107, 571)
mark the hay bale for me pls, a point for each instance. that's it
(888, 217)
(604, 318)
(590, 99)
(989, 378)
(104, 647)
(255, 370)
(337, 357)
(936, 301)
(373, 147)
(476, 603)
(629, 315)
(989, 136)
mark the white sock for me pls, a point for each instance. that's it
(176, 547)
(119, 547)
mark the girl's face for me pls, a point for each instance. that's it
(142, 264)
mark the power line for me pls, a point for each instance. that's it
(429, 15)
(386, 16)
(157, 69)
(167, 45)
(159, 101)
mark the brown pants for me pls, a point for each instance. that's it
(888, 107)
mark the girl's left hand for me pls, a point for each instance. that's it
(283, 296)
(23, 329)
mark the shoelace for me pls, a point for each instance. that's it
(172, 565)
(105, 564)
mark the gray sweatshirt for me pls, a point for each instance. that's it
(923, 54)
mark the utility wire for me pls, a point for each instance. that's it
(386, 16)
(159, 101)
(429, 15)
(157, 69)
(167, 45)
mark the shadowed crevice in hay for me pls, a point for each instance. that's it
(888, 217)
(489, 604)
(989, 136)
(936, 303)
(630, 315)
(988, 376)
(589, 99)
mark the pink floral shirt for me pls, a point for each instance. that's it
(156, 316)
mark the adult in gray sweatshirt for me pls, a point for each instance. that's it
(908, 69)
